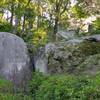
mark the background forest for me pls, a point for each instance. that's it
(40, 19)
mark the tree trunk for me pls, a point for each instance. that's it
(56, 26)
(16, 25)
(57, 11)
(30, 24)
(23, 25)
(38, 17)
(12, 13)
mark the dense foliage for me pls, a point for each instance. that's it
(29, 18)
(7, 92)
(5, 26)
(5, 86)
(14, 97)
(65, 87)
(58, 87)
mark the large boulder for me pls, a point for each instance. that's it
(66, 56)
(14, 59)
(60, 56)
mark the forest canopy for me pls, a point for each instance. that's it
(26, 16)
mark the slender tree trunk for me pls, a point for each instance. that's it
(38, 17)
(90, 28)
(16, 25)
(23, 25)
(30, 24)
(50, 21)
(17, 21)
(56, 18)
(38, 22)
(24, 17)
(12, 13)
(56, 26)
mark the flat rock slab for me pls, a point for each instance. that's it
(14, 59)
(94, 37)
(66, 34)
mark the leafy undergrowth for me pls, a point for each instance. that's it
(7, 92)
(58, 87)
(5, 86)
(14, 97)
(65, 87)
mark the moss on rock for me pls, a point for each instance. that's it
(68, 57)
(91, 65)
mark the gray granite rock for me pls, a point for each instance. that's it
(40, 61)
(14, 59)
(66, 35)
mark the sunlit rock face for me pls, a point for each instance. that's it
(67, 35)
(14, 59)
(74, 56)
(40, 61)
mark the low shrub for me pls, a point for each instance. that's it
(66, 87)
(7, 92)
(96, 24)
(5, 86)
(5, 27)
(14, 97)
(36, 81)
(95, 32)
(89, 48)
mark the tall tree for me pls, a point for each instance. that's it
(57, 9)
